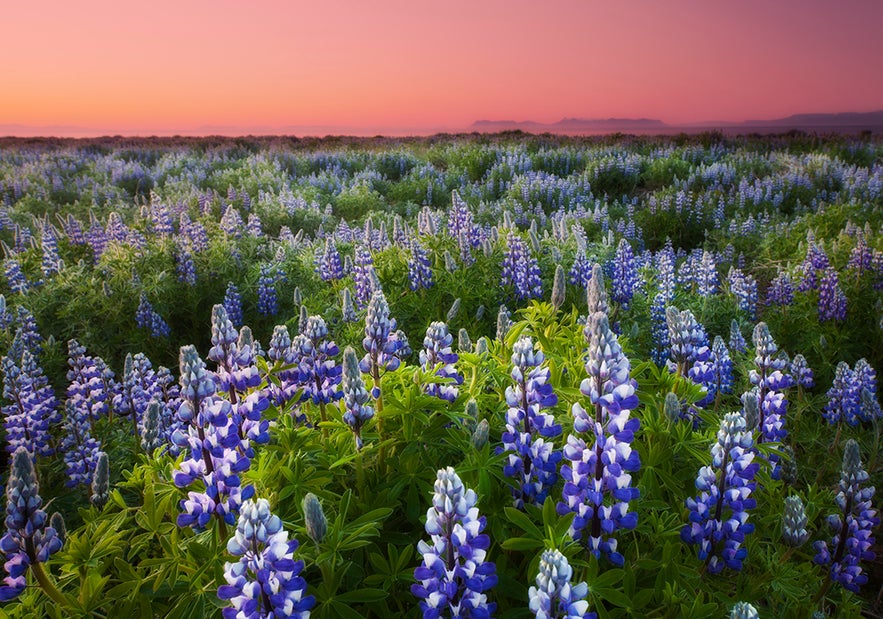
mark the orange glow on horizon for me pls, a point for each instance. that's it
(169, 67)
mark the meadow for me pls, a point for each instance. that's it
(475, 376)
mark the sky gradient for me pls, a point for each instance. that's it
(195, 66)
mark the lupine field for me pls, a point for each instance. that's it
(462, 376)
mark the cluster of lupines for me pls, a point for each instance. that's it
(32, 407)
(531, 459)
(853, 394)
(265, 582)
(597, 480)
(437, 352)
(27, 541)
(554, 597)
(92, 385)
(520, 269)
(744, 287)
(214, 452)
(781, 290)
(719, 514)
(690, 352)
(147, 318)
(454, 575)
(852, 526)
(79, 447)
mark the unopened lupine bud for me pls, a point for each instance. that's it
(752, 412)
(789, 465)
(503, 323)
(56, 521)
(596, 294)
(463, 342)
(472, 410)
(455, 309)
(480, 434)
(744, 610)
(672, 407)
(298, 296)
(794, 522)
(479, 313)
(481, 346)
(303, 318)
(558, 287)
(314, 517)
(100, 481)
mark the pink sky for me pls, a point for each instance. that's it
(162, 66)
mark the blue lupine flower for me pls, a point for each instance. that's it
(27, 540)
(832, 301)
(419, 269)
(794, 522)
(320, 375)
(363, 275)
(721, 366)
(454, 575)
(597, 483)
(265, 582)
(844, 397)
(268, 304)
(781, 291)
(137, 390)
(184, 265)
(330, 266)
(706, 275)
(214, 452)
(853, 541)
(52, 262)
(659, 329)
(79, 447)
(437, 351)
(801, 372)
(231, 222)
(866, 384)
(355, 398)
(596, 293)
(625, 274)
(719, 514)
(380, 342)
(233, 305)
(532, 459)
(347, 308)
(744, 287)
(581, 271)
(521, 270)
(554, 597)
(32, 406)
(253, 227)
(737, 341)
(16, 279)
(147, 318)
(92, 386)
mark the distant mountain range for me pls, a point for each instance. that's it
(846, 122)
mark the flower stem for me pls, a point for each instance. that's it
(47, 585)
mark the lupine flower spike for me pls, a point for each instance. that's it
(554, 597)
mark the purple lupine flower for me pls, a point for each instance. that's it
(233, 305)
(16, 279)
(581, 271)
(51, 263)
(96, 237)
(282, 353)
(253, 227)
(861, 258)
(659, 329)
(236, 371)
(866, 384)
(832, 301)
(706, 275)
(532, 459)
(268, 304)
(744, 288)
(214, 452)
(231, 222)
(624, 280)
(136, 390)
(329, 264)
(521, 270)
(690, 353)
(853, 526)
(721, 367)
(73, 230)
(27, 540)
(844, 403)
(719, 514)
(147, 318)
(363, 275)
(32, 407)
(6, 317)
(184, 265)
(737, 341)
(80, 449)
(265, 581)
(419, 269)
(454, 575)
(816, 259)
(554, 597)
(781, 290)
(437, 351)
(597, 481)
(91, 386)
(355, 398)
(320, 375)
(801, 372)
(381, 345)
(743, 610)
(27, 337)
(768, 374)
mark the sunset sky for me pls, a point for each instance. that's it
(221, 66)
